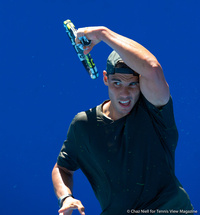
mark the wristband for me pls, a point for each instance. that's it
(62, 198)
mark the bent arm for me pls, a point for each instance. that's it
(152, 81)
(62, 181)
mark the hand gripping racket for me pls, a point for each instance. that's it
(87, 60)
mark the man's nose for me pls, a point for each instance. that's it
(125, 92)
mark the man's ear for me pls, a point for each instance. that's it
(105, 78)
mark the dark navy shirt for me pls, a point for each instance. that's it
(128, 162)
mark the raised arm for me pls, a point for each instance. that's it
(152, 81)
(63, 182)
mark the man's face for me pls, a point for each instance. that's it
(123, 92)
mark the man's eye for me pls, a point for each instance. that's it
(117, 83)
(133, 83)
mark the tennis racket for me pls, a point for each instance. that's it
(86, 60)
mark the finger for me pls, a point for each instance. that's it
(88, 49)
(81, 209)
(67, 213)
(82, 212)
(67, 209)
(80, 33)
(77, 41)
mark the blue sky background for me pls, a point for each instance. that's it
(43, 85)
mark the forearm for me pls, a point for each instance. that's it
(62, 181)
(133, 54)
(152, 81)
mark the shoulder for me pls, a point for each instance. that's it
(163, 115)
(80, 117)
(86, 116)
(143, 102)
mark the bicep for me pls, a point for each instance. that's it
(155, 88)
(64, 169)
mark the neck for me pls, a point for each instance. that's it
(108, 111)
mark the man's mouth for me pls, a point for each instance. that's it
(125, 103)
